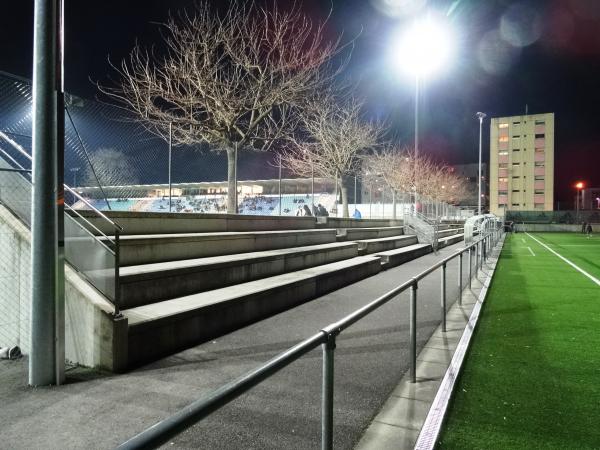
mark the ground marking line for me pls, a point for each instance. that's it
(523, 240)
(532, 254)
(591, 277)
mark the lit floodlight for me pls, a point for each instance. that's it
(579, 185)
(424, 48)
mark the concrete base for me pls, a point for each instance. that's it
(393, 258)
(93, 337)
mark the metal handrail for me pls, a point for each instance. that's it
(23, 152)
(161, 432)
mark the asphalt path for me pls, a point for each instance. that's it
(97, 410)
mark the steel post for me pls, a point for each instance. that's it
(327, 394)
(280, 187)
(470, 265)
(460, 264)
(413, 331)
(443, 297)
(45, 362)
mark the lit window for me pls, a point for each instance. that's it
(503, 153)
(503, 179)
(539, 150)
(503, 125)
(503, 139)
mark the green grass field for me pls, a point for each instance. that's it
(532, 376)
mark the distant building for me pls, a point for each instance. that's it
(590, 198)
(470, 172)
(522, 163)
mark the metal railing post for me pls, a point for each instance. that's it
(413, 331)
(117, 276)
(470, 265)
(327, 394)
(460, 264)
(443, 297)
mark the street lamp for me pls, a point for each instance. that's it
(480, 116)
(74, 171)
(421, 50)
(579, 186)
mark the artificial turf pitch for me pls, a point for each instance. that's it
(532, 376)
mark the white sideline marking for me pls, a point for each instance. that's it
(532, 254)
(523, 240)
(594, 279)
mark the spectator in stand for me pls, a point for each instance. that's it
(315, 211)
(307, 211)
(322, 211)
(357, 214)
(300, 211)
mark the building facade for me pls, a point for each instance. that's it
(522, 163)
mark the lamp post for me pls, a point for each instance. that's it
(423, 49)
(579, 186)
(74, 171)
(480, 116)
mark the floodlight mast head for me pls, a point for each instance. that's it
(579, 185)
(424, 48)
(481, 116)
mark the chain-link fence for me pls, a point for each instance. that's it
(561, 217)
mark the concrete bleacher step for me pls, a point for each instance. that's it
(449, 240)
(368, 246)
(150, 283)
(392, 258)
(153, 248)
(449, 232)
(355, 234)
(163, 328)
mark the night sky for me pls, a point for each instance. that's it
(509, 54)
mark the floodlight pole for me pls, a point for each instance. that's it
(417, 83)
(47, 359)
(480, 116)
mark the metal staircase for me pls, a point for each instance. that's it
(425, 228)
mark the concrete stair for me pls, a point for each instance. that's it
(369, 246)
(148, 283)
(355, 234)
(449, 232)
(153, 248)
(449, 240)
(393, 258)
(162, 328)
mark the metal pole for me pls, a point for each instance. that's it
(481, 116)
(443, 297)
(312, 185)
(413, 331)
(327, 399)
(416, 137)
(470, 265)
(460, 264)
(170, 159)
(355, 201)
(370, 202)
(279, 186)
(46, 364)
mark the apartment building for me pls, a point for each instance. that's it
(522, 163)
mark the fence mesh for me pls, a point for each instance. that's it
(564, 217)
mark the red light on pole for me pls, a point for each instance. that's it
(579, 185)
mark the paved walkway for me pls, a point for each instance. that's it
(96, 410)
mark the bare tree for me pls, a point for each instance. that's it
(231, 81)
(337, 133)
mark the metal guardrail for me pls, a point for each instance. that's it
(110, 244)
(161, 432)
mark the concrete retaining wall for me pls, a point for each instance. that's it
(93, 337)
(349, 222)
(167, 223)
(549, 227)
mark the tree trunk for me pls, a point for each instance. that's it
(344, 199)
(231, 175)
